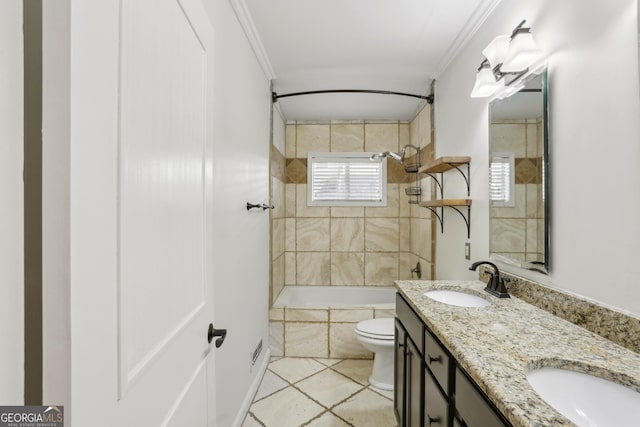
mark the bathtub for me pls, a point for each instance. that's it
(319, 321)
(335, 296)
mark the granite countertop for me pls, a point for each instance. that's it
(497, 345)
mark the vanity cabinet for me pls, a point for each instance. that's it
(430, 388)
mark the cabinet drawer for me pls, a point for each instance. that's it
(437, 360)
(411, 322)
(436, 407)
(472, 406)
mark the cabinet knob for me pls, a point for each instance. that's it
(435, 359)
(433, 419)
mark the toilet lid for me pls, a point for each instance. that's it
(377, 328)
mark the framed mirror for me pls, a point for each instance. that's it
(519, 176)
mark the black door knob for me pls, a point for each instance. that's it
(213, 332)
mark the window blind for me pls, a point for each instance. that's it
(352, 179)
(501, 179)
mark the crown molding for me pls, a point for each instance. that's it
(479, 16)
(246, 22)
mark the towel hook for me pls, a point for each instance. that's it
(259, 205)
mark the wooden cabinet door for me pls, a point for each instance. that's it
(399, 386)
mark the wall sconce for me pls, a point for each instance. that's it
(505, 56)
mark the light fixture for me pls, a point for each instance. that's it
(486, 83)
(506, 56)
(523, 51)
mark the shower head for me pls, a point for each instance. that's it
(394, 156)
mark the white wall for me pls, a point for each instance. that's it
(592, 53)
(11, 205)
(241, 168)
(56, 357)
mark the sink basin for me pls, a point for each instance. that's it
(460, 299)
(585, 399)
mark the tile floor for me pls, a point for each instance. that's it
(319, 393)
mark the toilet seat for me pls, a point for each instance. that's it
(378, 329)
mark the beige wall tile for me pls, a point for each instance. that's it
(381, 137)
(532, 199)
(347, 269)
(311, 138)
(277, 198)
(276, 314)
(392, 210)
(421, 237)
(290, 141)
(405, 234)
(313, 268)
(404, 135)
(347, 234)
(382, 234)
(302, 210)
(290, 270)
(277, 237)
(532, 139)
(277, 278)
(343, 342)
(384, 312)
(306, 339)
(403, 202)
(312, 234)
(276, 338)
(351, 314)
(342, 212)
(347, 137)
(306, 315)
(507, 235)
(290, 200)
(381, 269)
(532, 235)
(509, 137)
(290, 234)
(407, 262)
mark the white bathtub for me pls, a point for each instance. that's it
(335, 296)
(319, 321)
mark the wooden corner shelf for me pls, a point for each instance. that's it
(443, 164)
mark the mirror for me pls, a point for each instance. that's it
(518, 174)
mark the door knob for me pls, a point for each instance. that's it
(213, 332)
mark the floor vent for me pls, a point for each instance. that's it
(256, 352)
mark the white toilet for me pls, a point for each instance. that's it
(377, 335)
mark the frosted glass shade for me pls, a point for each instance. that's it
(522, 53)
(496, 51)
(486, 84)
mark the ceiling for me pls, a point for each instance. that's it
(387, 45)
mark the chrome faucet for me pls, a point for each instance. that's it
(495, 285)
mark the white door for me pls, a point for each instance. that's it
(141, 213)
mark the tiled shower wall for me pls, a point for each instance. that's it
(518, 232)
(342, 246)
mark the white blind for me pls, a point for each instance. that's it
(501, 178)
(351, 178)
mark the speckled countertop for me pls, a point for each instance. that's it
(497, 345)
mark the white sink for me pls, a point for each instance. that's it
(460, 299)
(585, 399)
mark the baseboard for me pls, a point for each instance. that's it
(246, 403)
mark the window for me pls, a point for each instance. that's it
(502, 179)
(346, 179)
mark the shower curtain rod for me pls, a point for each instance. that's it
(275, 96)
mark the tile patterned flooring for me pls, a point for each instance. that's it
(319, 393)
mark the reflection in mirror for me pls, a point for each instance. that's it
(518, 166)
